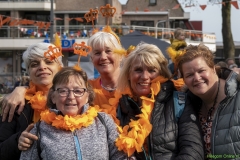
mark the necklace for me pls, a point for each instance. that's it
(70, 123)
(107, 89)
(214, 103)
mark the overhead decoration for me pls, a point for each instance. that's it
(91, 16)
(203, 6)
(82, 50)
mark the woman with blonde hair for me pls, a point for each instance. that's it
(146, 110)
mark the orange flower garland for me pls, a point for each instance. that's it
(133, 135)
(37, 99)
(70, 123)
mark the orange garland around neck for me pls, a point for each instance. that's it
(37, 99)
(70, 123)
(133, 135)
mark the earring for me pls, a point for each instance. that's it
(121, 64)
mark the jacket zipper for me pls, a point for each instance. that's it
(77, 144)
(216, 122)
(148, 138)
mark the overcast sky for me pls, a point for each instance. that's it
(212, 18)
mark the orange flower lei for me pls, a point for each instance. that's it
(133, 135)
(70, 123)
(37, 99)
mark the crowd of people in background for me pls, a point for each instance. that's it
(7, 85)
(129, 112)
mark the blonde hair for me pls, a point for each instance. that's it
(149, 55)
(178, 32)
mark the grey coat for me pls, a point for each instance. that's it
(226, 124)
(94, 142)
(225, 137)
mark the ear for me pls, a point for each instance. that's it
(53, 97)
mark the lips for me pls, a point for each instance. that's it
(144, 84)
(43, 74)
(104, 64)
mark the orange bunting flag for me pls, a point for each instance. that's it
(162, 9)
(136, 9)
(146, 10)
(13, 22)
(176, 6)
(123, 12)
(56, 18)
(203, 6)
(79, 19)
(235, 4)
(6, 20)
(47, 26)
(69, 19)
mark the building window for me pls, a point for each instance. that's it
(59, 19)
(152, 2)
(143, 23)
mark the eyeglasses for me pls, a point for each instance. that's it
(64, 92)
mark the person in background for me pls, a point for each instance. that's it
(41, 71)
(146, 108)
(17, 82)
(214, 92)
(84, 135)
(235, 68)
(222, 64)
(230, 61)
(176, 47)
(25, 81)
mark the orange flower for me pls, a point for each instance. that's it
(37, 99)
(68, 122)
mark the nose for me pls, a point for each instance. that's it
(42, 65)
(197, 76)
(71, 94)
(103, 55)
(145, 74)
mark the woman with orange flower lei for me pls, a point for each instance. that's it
(71, 128)
(41, 71)
(145, 110)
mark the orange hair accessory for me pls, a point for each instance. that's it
(123, 51)
(82, 50)
(90, 17)
(107, 11)
(53, 53)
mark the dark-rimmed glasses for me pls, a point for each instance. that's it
(64, 92)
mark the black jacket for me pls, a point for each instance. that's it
(10, 132)
(168, 139)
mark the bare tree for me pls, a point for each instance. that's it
(228, 44)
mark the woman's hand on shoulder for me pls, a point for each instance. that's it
(11, 101)
(26, 139)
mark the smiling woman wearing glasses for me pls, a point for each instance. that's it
(71, 128)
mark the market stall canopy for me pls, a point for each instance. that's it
(136, 37)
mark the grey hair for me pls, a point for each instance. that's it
(37, 51)
(103, 39)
